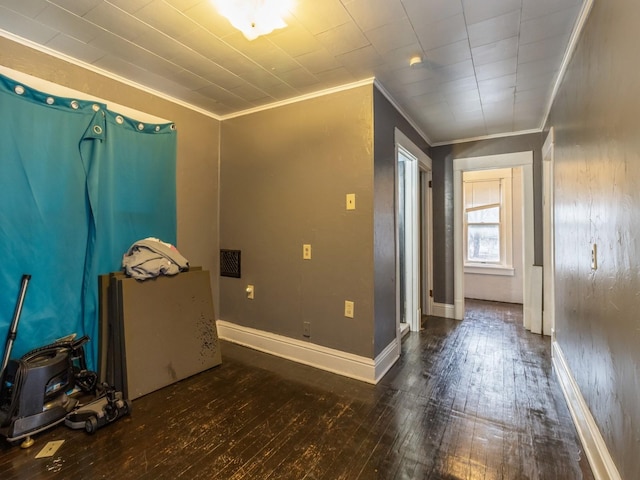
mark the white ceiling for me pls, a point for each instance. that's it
(490, 65)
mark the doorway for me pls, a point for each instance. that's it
(493, 235)
(408, 239)
(532, 280)
(413, 234)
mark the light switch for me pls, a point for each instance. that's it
(250, 292)
(306, 251)
(348, 309)
(351, 201)
(594, 257)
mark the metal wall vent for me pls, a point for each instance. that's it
(230, 263)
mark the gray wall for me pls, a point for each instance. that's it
(443, 157)
(386, 119)
(197, 148)
(597, 200)
(285, 173)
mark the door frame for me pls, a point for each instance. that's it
(423, 164)
(531, 312)
(548, 245)
(426, 239)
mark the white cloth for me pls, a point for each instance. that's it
(151, 257)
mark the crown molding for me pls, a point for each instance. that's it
(300, 98)
(488, 137)
(388, 96)
(104, 73)
(573, 43)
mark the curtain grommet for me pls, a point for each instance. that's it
(97, 129)
(19, 89)
(74, 104)
(141, 126)
(173, 126)
(50, 100)
(157, 128)
(95, 107)
(119, 120)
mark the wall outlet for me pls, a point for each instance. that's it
(351, 201)
(348, 309)
(306, 251)
(306, 329)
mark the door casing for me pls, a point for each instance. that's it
(421, 231)
(532, 312)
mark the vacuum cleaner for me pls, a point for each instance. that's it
(108, 406)
(33, 389)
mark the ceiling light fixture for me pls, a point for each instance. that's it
(415, 61)
(255, 17)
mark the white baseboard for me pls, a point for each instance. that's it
(385, 360)
(443, 310)
(404, 330)
(594, 446)
(329, 359)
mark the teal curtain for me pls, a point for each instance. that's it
(80, 184)
(132, 195)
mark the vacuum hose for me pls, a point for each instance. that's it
(20, 375)
(13, 329)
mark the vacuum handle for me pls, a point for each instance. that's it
(13, 329)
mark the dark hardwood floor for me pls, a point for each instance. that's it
(468, 400)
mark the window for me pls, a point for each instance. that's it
(487, 219)
(483, 234)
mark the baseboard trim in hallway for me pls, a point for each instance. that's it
(602, 464)
(443, 310)
(335, 361)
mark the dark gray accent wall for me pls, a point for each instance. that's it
(597, 199)
(442, 158)
(386, 120)
(197, 147)
(442, 202)
(285, 173)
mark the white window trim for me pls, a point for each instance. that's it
(505, 267)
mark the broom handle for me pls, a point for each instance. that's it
(13, 329)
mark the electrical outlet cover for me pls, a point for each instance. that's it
(306, 251)
(348, 309)
(351, 201)
(50, 449)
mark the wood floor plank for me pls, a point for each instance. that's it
(475, 399)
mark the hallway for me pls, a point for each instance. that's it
(467, 400)
(491, 405)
